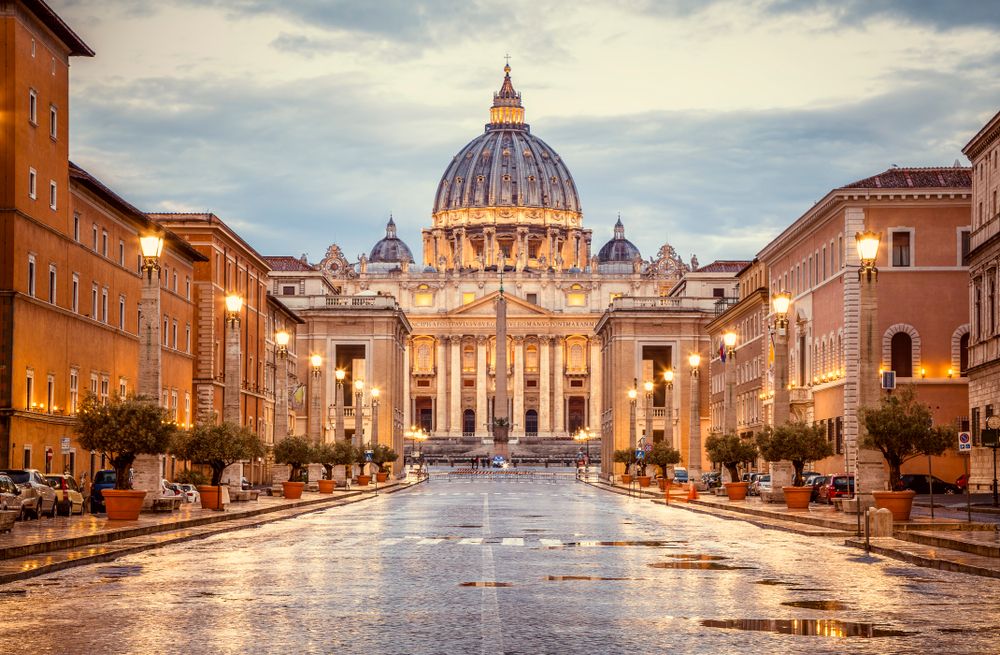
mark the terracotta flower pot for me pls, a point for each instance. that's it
(663, 484)
(293, 490)
(326, 486)
(737, 490)
(381, 477)
(797, 497)
(211, 497)
(644, 480)
(898, 502)
(364, 480)
(123, 504)
(626, 479)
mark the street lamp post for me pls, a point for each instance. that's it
(339, 427)
(781, 407)
(729, 403)
(375, 403)
(694, 429)
(147, 467)
(633, 394)
(315, 402)
(359, 425)
(668, 425)
(231, 394)
(584, 435)
(415, 434)
(648, 387)
(869, 474)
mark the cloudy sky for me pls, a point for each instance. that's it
(708, 124)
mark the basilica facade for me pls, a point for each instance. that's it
(506, 212)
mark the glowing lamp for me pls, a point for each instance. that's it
(694, 359)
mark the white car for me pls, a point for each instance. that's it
(190, 493)
(169, 489)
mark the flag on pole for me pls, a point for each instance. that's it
(722, 351)
(770, 351)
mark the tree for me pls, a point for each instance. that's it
(382, 455)
(797, 443)
(297, 452)
(624, 456)
(901, 427)
(218, 446)
(333, 454)
(122, 429)
(730, 451)
(663, 455)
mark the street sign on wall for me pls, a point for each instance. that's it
(65, 445)
(889, 380)
(964, 441)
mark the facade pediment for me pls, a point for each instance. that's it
(486, 306)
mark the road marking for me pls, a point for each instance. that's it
(512, 541)
(471, 541)
(429, 542)
(551, 542)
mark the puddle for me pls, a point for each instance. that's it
(536, 530)
(13, 592)
(697, 557)
(568, 578)
(486, 584)
(771, 582)
(120, 571)
(806, 627)
(698, 566)
(465, 526)
(825, 605)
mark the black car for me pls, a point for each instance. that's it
(922, 484)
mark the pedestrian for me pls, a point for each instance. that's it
(85, 491)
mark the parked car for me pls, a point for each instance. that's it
(748, 476)
(836, 486)
(680, 475)
(816, 482)
(104, 479)
(499, 462)
(10, 495)
(761, 483)
(190, 493)
(922, 484)
(711, 479)
(752, 489)
(169, 489)
(69, 500)
(37, 497)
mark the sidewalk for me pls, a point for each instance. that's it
(945, 543)
(34, 548)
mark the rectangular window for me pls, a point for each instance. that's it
(53, 195)
(105, 389)
(532, 298)
(26, 460)
(175, 281)
(963, 245)
(174, 329)
(29, 389)
(75, 300)
(94, 232)
(187, 408)
(93, 384)
(468, 297)
(900, 248)
(187, 338)
(76, 227)
(122, 388)
(104, 243)
(165, 339)
(121, 253)
(173, 405)
(32, 107)
(74, 390)
(93, 302)
(50, 393)
(104, 305)
(32, 183)
(121, 313)
(53, 122)
(287, 290)
(52, 283)
(187, 287)
(31, 275)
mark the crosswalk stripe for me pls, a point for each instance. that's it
(429, 542)
(551, 542)
(471, 541)
(512, 541)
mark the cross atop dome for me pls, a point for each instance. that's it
(507, 111)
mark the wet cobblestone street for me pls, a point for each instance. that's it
(503, 567)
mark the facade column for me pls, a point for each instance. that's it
(694, 428)
(668, 412)
(481, 381)
(544, 377)
(231, 393)
(441, 401)
(456, 386)
(558, 400)
(147, 467)
(595, 385)
(407, 416)
(315, 404)
(782, 406)
(281, 397)
(518, 419)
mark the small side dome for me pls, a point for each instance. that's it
(618, 249)
(391, 249)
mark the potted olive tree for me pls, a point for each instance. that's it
(325, 454)
(121, 430)
(625, 456)
(664, 456)
(216, 446)
(297, 452)
(797, 443)
(731, 451)
(901, 428)
(381, 456)
(361, 459)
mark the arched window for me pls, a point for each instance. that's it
(963, 354)
(469, 422)
(902, 355)
(531, 423)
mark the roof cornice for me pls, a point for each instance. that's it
(987, 135)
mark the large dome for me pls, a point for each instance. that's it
(618, 249)
(390, 249)
(507, 165)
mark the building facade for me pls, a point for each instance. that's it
(983, 337)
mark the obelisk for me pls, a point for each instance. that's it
(501, 418)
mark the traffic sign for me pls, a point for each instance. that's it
(964, 441)
(65, 445)
(369, 455)
(640, 453)
(648, 447)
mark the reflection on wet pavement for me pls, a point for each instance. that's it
(436, 569)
